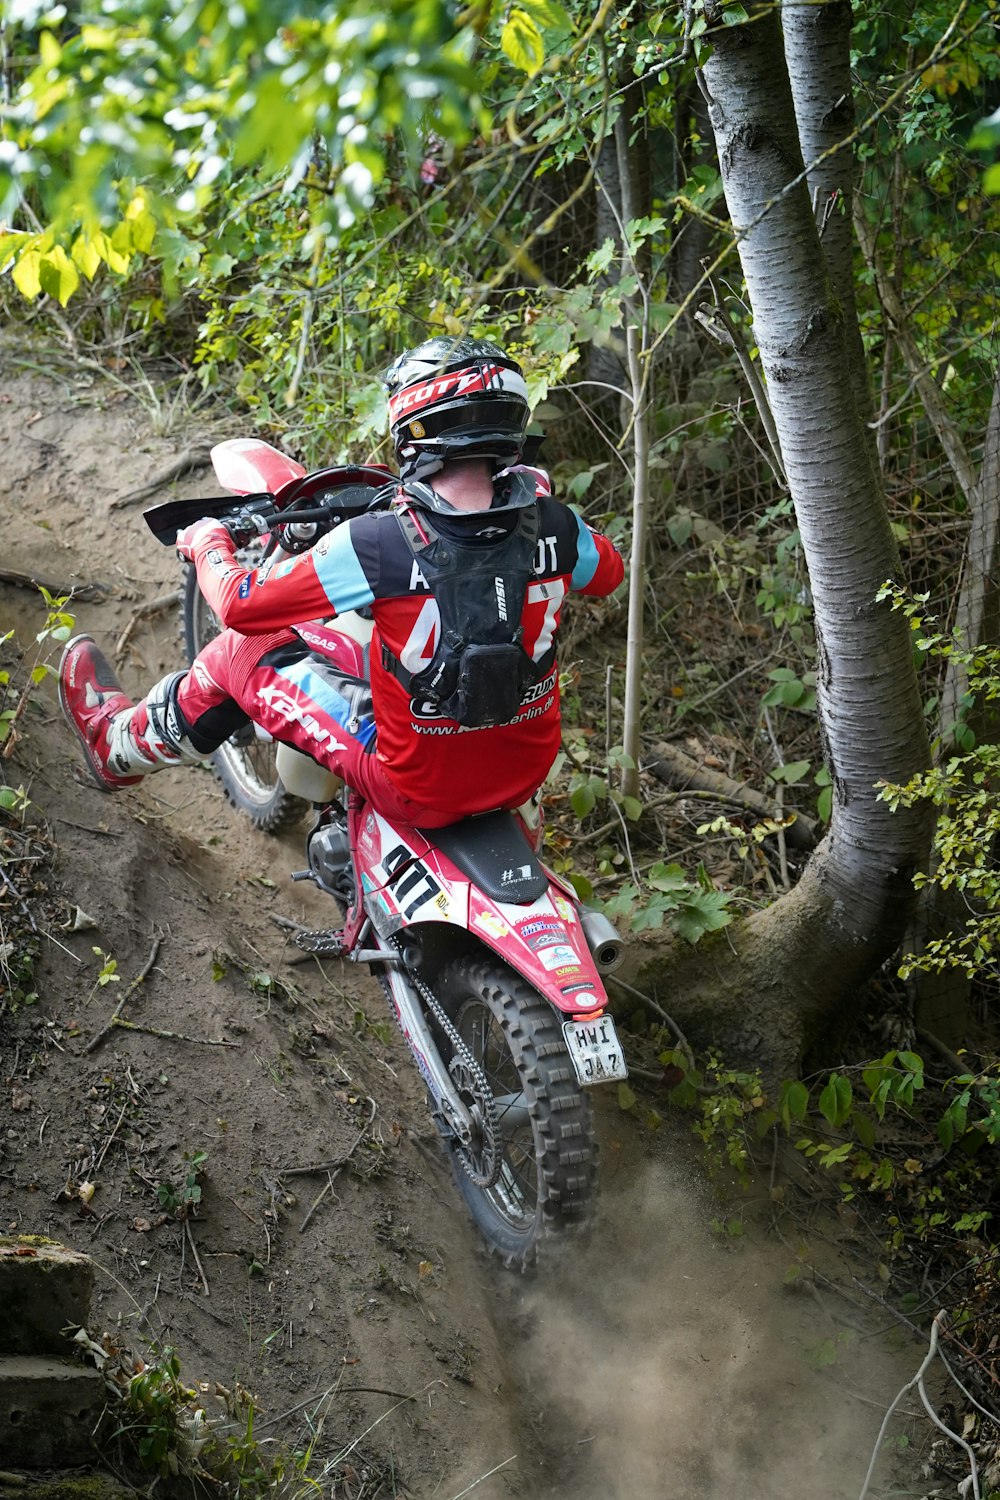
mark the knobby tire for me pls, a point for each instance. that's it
(245, 764)
(548, 1180)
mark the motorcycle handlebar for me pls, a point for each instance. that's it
(247, 516)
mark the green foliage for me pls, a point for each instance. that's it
(791, 691)
(108, 972)
(860, 1113)
(16, 695)
(847, 1124)
(587, 789)
(174, 96)
(730, 1108)
(181, 1198)
(691, 909)
(962, 789)
(154, 1400)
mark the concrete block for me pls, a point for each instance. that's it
(49, 1409)
(43, 1288)
(91, 1485)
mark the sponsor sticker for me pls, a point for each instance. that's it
(486, 921)
(567, 969)
(245, 587)
(545, 939)
(555, 958)
(527, 928)
(564, 909)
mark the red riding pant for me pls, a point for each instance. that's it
(272, 680)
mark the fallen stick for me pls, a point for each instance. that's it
(333, 1168)
(85, 591)
(676, 769)
(95, 1041)
(191, 458)
(169, 1036)
(194, 1252)
(151, 607)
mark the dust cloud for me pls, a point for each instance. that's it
(667, 1362)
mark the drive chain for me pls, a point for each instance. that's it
(469, 1074)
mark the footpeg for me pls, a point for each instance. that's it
(328, 941)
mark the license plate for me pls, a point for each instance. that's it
(595, 1050)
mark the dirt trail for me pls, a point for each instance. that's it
(663, 1361)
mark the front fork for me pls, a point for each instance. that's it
(450, 1111)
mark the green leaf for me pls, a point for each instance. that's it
(793, 1102)
(58, 275)
(792, 772)
(549, 13)
(626, 1098)
(600, 259)
(580, 484)
(85, 256)
(582, 799)
(703, 911)
(911, 1062)
(522, 43)
(663, 877)
(26, 274)
(835, 1100)
(632, 808)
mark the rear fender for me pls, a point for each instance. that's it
(544, 943)
(408, 883)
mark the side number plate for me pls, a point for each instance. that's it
(595, 1050)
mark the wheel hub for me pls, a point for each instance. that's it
(482, 1157)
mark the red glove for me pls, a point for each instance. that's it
(194, 538)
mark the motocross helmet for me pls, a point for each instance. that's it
(455, 398)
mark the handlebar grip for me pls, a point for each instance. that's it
(251, 520)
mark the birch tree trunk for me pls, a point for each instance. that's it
(772, 986)
(817, 52)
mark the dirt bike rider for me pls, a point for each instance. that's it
(458, 414)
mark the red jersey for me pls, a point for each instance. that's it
(367, 562)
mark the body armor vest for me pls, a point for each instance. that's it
(480, 672)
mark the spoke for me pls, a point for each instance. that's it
(512, 1111)
(515, 1193)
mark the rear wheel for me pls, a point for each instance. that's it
(245, 764)
(534, 1144)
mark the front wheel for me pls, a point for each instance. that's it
(536, 1136)
(245, 763)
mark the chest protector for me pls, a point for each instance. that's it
(480, 672)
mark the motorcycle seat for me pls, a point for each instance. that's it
(493, 852)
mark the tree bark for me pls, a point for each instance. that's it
(817, 52)
(778, 981)
(977, 614)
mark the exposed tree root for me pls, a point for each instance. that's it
(191, 458)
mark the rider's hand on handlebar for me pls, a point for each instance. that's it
(252, 520)
(191, 537)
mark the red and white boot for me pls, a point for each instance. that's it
(122, 741)
(92, 699)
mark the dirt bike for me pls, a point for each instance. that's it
(490, 964)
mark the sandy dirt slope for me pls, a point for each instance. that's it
(663, 1360)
